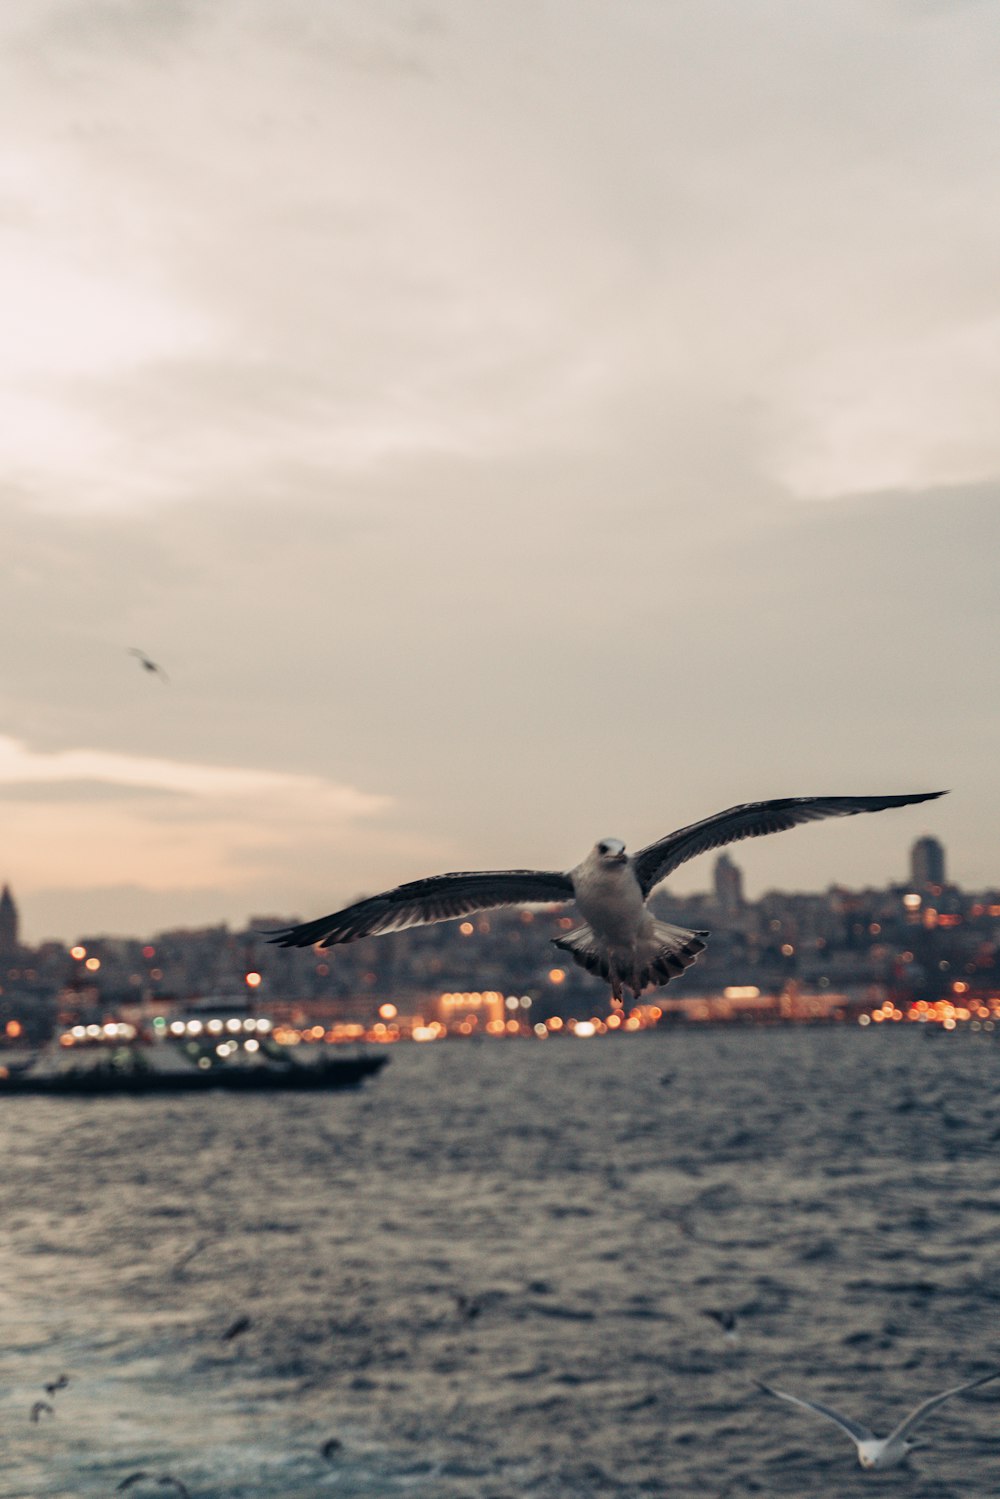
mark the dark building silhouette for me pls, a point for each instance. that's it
(728, 884)
(8, 922)
(927, 863)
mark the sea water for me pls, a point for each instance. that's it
(486, 1274)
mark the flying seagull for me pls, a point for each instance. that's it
(726, 1319)
(147, 664)
(165, 1480)
(240, 1325)
(883, 1452)
(619, 939)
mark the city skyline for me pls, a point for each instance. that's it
(505, 426)
(725, 882)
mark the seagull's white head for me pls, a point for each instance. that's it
(610, 851)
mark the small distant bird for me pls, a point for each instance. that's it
(147, 664)
(40, 1408)
(165, 1480)
(619, 939)
(56, 1385)
(181, 1265)
(883, 1452)
(726, 1319)
(239, 1326)
(468, 1307)
(330, 1448)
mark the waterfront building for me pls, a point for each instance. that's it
(728, 885)
(927, 866)
(9, 944)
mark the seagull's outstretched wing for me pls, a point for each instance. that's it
(753, 820)
(440, 898)
(922, 1411)
(856, 1432)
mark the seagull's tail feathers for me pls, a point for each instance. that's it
(585, 948)
(674, 949)
(658, 958)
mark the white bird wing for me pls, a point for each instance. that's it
(754, 820)
(854, 1430)
(442, 897)
(922, 1411)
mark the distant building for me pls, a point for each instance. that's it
(728, 881)
(9, 943)
(927, 863)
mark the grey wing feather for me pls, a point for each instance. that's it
(442, 897)
(854, 1430)
(922, 1411)
(754, 820)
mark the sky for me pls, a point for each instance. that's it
(508, 426)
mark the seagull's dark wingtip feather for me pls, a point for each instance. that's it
(282, 939)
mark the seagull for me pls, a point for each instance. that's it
(165, 1480)
(726, 1319)
(147, 664)
(619, 939)
(468, 1307)
(57, 1384)
(181, 1265)
(40, 1408)
(239, 1326)
(890, 1451)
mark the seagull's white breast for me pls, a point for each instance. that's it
(610, 899)
(882, 1452)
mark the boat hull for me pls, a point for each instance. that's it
(345, 1072)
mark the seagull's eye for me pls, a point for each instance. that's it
(602, 848)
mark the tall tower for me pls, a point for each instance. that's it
(728, 882)
(927, 863)
(8, 922)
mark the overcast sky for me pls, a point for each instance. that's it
(508, 424)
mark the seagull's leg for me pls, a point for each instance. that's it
(616, 990)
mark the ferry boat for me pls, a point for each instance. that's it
(216, 1043)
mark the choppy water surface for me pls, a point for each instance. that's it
(485, 1274)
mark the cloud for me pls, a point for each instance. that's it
(367, 238)
(78, 790)
(103, 818)
(436, 395)
(226, 785)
